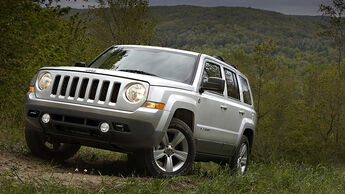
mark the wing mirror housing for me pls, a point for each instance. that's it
(80, 64)
(213, 84)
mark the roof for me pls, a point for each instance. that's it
(162, 48)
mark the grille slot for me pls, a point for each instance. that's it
(104, 91)
(83, 88)
(115, 92)
(93, 91)
(64, 86)
(56, 84)
(74, 86)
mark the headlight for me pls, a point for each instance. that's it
(44, 80)
(135, 92)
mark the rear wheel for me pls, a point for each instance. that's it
(175, 154)
(239, 162)
(45, 147)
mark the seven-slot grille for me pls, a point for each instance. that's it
(84, 89)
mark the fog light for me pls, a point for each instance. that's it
(46, 118)
(104, 127)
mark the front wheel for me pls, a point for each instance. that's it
(239, 162)
(175, 154)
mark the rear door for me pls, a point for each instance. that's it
(233, 109)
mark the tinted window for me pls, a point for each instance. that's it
(245, 91)
(211, 70)
(165, 64)
(232, 84)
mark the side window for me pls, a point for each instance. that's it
(245, 90)
(211, 70)
(232, 84)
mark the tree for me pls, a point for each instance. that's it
(264, 64)
(33, 36)
(123, 22)
(334, 28)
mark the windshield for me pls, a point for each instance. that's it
(149, 61)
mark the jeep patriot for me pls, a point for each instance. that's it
(165, 108)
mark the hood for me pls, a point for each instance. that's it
(152, 80)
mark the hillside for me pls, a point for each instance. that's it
(233, 28)
(228, 26)
(198, 28)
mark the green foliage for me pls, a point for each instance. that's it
(334, 25)
(33, 37)
(122, 22)
(237, 28)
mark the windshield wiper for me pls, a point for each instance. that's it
(137, 71)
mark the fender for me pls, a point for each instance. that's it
(246, 124)
(176, 101)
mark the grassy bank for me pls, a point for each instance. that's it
(108, 172)
(277, 177)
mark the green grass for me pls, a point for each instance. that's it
(274, 177)
(277, 177)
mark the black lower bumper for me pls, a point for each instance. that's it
(74, 126)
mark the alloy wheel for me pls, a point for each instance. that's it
(242, 159)
(172, 152)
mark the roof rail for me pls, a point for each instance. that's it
(221, 59)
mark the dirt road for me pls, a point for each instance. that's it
(75, 171)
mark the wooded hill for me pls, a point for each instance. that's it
(231, 28)
(241, 28)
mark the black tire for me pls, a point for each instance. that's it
(134, 161)
(236, 159)
(153, 166)
(37, 143)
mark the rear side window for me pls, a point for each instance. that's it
(232, 84)
(245, 91)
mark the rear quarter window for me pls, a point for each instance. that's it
(245, 91)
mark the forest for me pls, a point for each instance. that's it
(295, 65)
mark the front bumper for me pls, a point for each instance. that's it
(75, 123)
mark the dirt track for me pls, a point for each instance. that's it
(75, 171)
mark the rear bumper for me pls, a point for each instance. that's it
(76, 123)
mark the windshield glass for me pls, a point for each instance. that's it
(149, 61)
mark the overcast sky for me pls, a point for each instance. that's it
(290, 7)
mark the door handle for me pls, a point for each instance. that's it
(223, 107)
(241, 112)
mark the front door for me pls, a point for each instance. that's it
(210, 132)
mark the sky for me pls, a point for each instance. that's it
(289, 7)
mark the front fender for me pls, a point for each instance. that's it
(173, 99)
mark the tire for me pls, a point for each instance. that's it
(240, 160)
(174, 155)
(38, 143)
(134, 161)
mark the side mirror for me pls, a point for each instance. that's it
(80, 64)
(213, 84)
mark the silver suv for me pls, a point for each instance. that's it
(164, 107)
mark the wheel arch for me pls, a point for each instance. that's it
(186, 116)
(249, 133)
